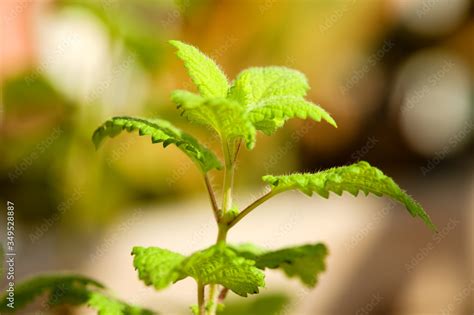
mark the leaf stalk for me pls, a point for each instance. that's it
(201, 300)
(212, 198)
(251, 207)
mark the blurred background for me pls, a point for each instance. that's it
(395, 74)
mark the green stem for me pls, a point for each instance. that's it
(230, 155)
(212, 309)
(222, 233)
(201, 302)
(252, 206)
(228, 178)
(212, 198)
(228, 150)
(224, 227)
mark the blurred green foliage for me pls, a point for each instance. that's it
(270, 304)
(36, 136)
(130, 22)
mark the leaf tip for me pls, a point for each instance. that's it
(330, 120)
(430, 224)
(96, 138)
(174, 42)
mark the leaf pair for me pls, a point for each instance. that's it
(217, 264)
(226, 117)
(72, 290)
(259, 98)
(236, 268)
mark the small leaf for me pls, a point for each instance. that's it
(194, 309)
(271, 113)
(208, 77)
(226, 117)
(305, 262)
(221, 265)
(255, 84)
(352, 178)
(72, 288)
(157, 267)
(230, 214)
(106, 305)
(161, 131)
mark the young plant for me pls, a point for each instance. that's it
(259, 99)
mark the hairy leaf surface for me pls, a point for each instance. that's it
(161, 131)
(255, 84)
(215, 265)
(261, 98)
(205, 73)
(156, 266)
(357, 177)
(221, 265)
(106, 305)
(225, 116)
(271, 113)
(305, 262)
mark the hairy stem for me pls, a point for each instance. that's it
(212, 198)
(228, 149)
(228, 177)
(252, 206)
(222, 233)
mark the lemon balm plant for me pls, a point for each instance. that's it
(259, 99)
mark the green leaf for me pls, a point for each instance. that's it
(305, 262)
(161, 131)
(70, 290)
(273, 304)
(260, 99)
(215, 265)
(208, 77)
(157, 267)
(353, 178)
(248, 250)
(271, 113)
(255, 84)
(106, 305)
(221, 265)
(71, 287)
(225, 116)
(272, 95)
